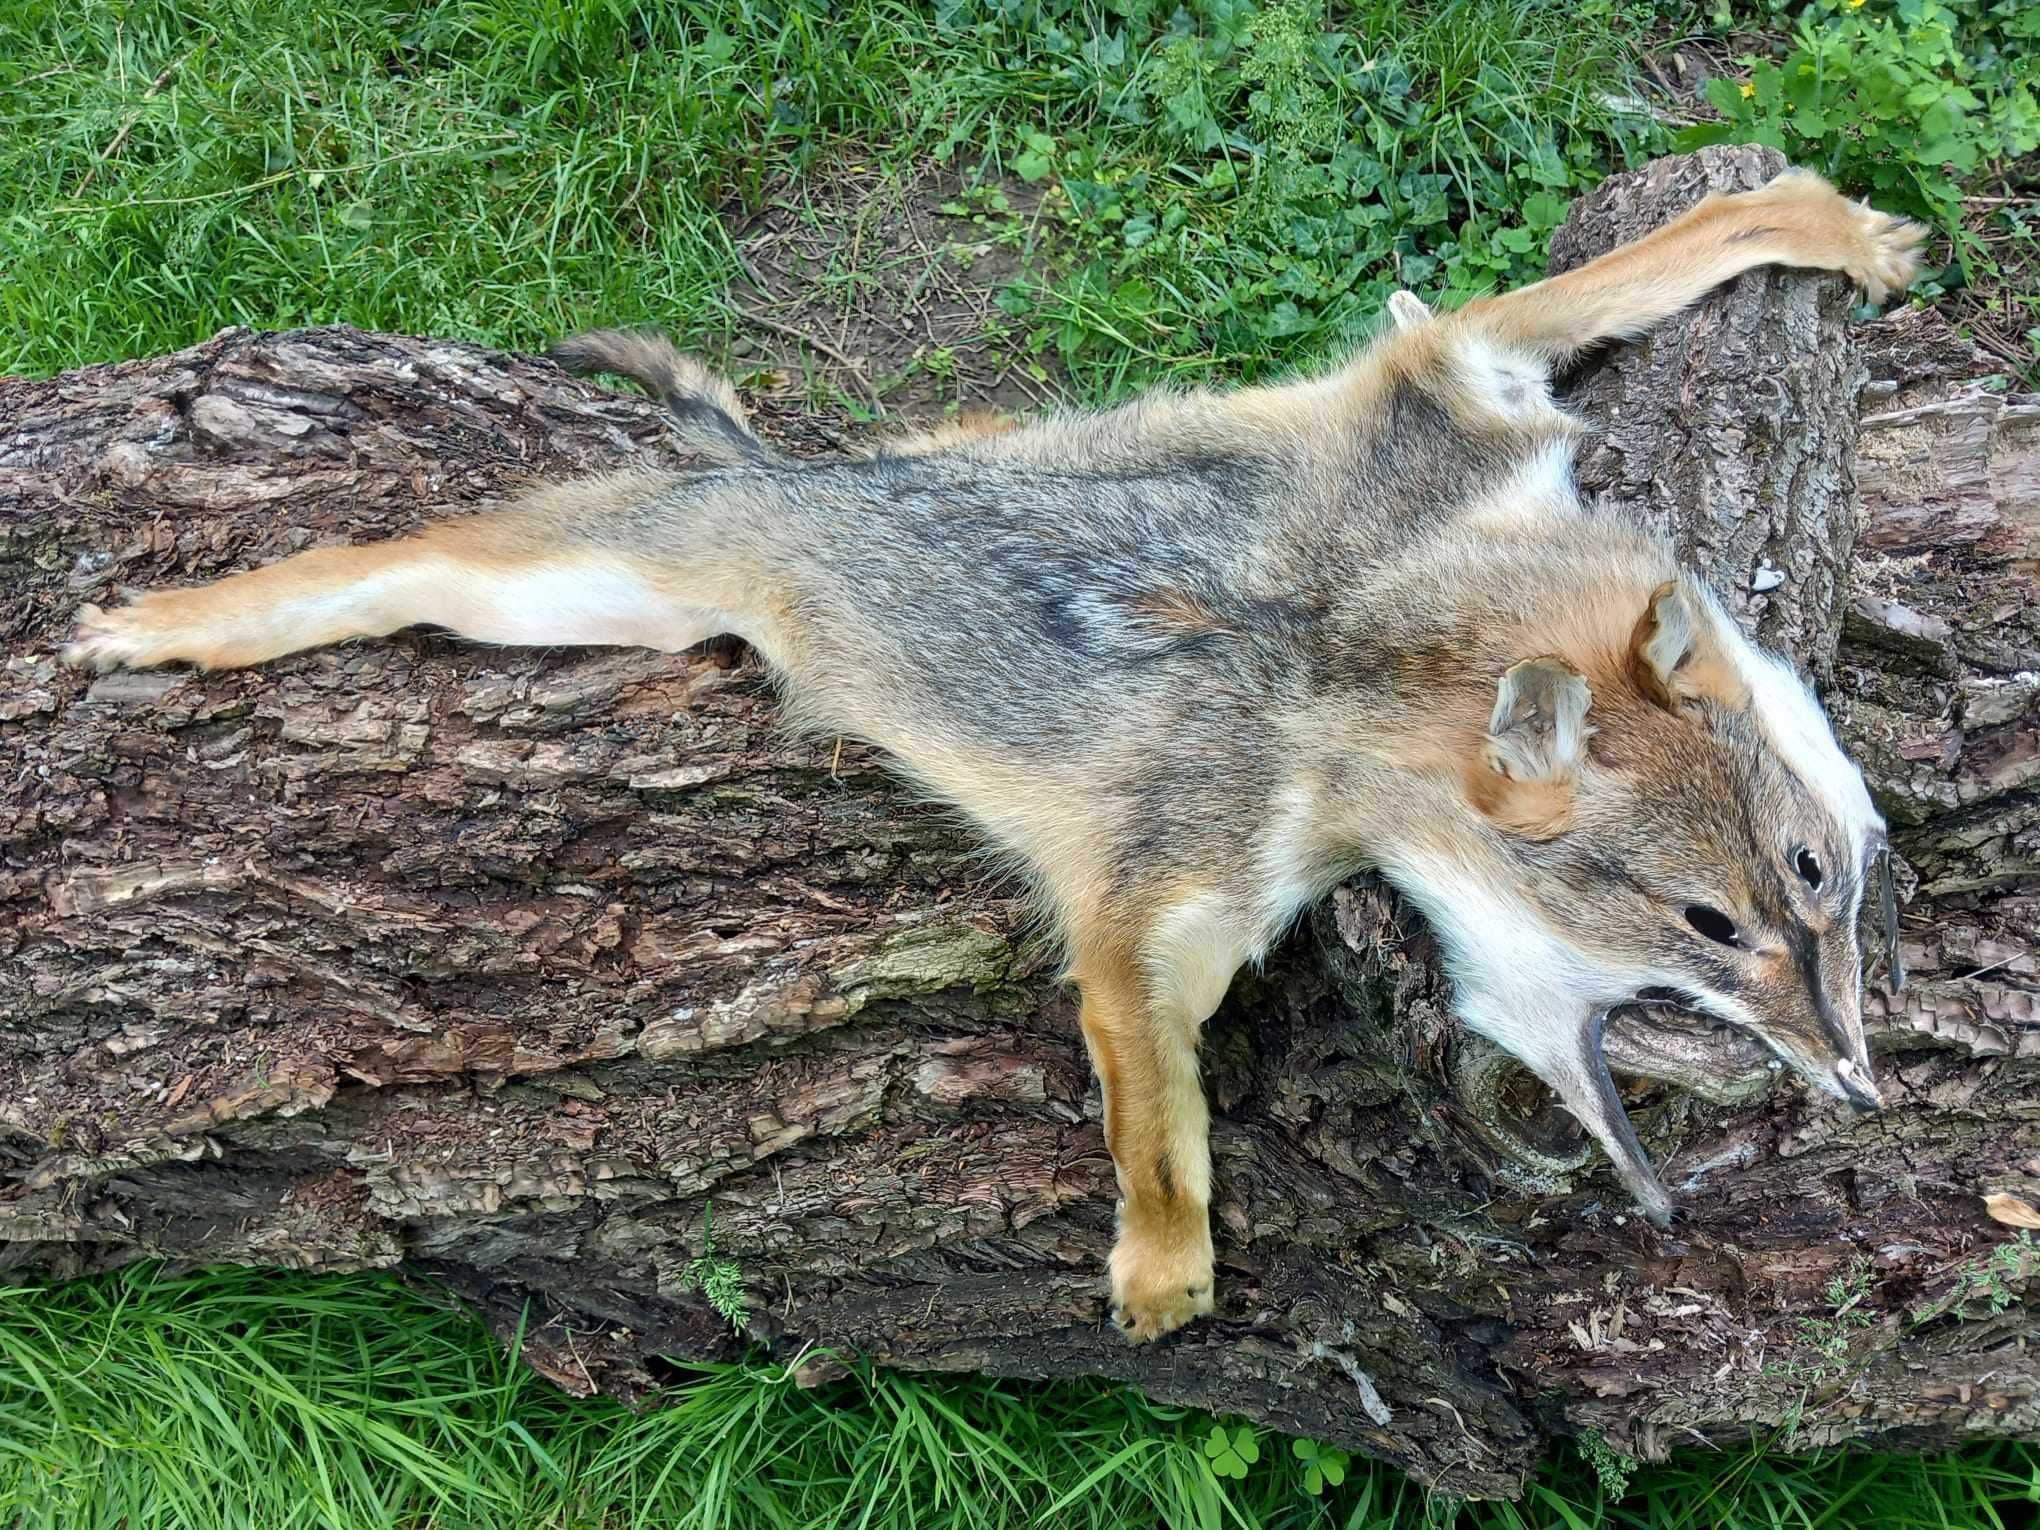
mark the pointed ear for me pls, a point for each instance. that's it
(1538, 731)
(1536, 739)
(1407, 309)
(1677, 656)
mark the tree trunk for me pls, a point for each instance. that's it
(533, 972)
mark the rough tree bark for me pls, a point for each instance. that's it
(508, 967)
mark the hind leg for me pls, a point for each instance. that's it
(529, 575)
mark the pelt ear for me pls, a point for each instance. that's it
(1536, 739)
(1677, 656)
(1408, 310)
(1538, 731)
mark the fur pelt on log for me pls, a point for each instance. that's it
(532, 971)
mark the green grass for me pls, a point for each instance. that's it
(509, 170)
(1228, 186)
(452, 173)
(272, 1400)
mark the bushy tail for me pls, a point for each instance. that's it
(710, 416)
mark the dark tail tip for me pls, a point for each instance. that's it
(702, 403)
(645, 359)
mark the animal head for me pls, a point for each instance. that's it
(1667, 809)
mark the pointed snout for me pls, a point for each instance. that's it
(1857, 1086)
(1816, 1025)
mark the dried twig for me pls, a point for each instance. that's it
(119, 140)
(819, 346)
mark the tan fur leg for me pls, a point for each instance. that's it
(1157, 1126)
(968, 427)
(518, 576)
(1797, 220)
(316, 597)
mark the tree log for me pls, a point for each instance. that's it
(535, 973)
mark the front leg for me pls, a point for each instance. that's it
(1797, 220)
(1143, 1007)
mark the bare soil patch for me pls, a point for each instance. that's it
(874, 294)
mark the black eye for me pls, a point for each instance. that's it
(1712, 923)
(1807, 866)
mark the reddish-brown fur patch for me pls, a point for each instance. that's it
(1535, 809)
(1707, 674)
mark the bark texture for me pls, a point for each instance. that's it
(508, 967)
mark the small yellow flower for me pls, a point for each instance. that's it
(1856, 5)
(1748, 91)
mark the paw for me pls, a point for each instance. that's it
(1879, 252)
(1161, 1283)
(147, 631)
(1889, 258)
